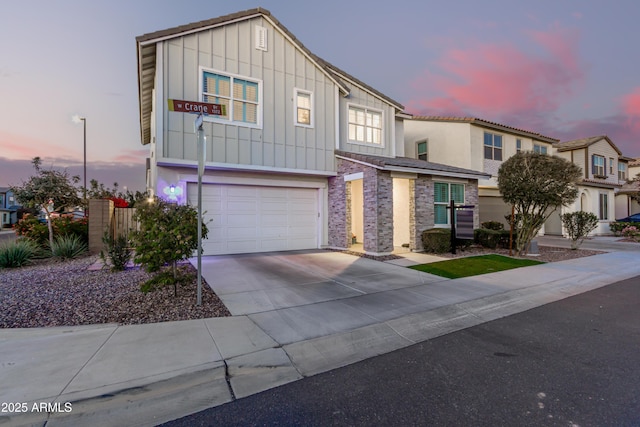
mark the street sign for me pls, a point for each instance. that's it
(197, 107)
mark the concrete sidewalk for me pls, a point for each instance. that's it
(148, 374)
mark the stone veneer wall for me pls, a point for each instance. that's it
(421, 210)
(378, 211)
(471, 198)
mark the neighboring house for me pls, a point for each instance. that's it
(605, 170)
(8, 208)
(476, 144)
(306, 156)
(625, 204)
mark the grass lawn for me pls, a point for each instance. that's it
(473, 266)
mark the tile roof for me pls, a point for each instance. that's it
(489, 124)
(425, 167)
(145, 45)
(583, 143)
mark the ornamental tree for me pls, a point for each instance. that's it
(168, 233)
(578, 225)
(536, 185)
(47, 191)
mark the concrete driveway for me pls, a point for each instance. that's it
(254, 283)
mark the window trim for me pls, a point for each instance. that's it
(426, 152)
(538, 148)
(493, 146)
(622, 170)
(297, 91)
(446, 204)
(216, 119)
(382, 125)
(596, 169)
(603, 206)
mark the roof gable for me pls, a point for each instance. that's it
(577, 144)
(146, 46)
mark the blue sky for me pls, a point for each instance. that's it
(567, 69)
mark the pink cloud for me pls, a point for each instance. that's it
(494, 80)
(631, 106)
(25, 147)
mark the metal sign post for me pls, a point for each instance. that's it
(201, 154)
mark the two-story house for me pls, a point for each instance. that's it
(605, 170)
(475, 144)
(304, 155)
(8, 208)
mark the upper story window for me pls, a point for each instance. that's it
(421, 150)
(622, 172)
(610, 165)
(443, 193)
(492, 146)
(240, 95)
(540, 149)
(518, 145)
(1, 200)
(303, 108)
(365, 125)
(597, 166)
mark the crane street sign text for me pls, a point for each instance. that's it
(197, 107)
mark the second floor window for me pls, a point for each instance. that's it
(541, 149)
(597, 166)
(240, 96)
(422, 150)
(622, 172)
(304, 101)
(518, 145)
(365, 125)
(492, 146)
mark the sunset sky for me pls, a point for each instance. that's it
(567, 69)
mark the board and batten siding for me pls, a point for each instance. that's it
(277, 143)
(360, 98)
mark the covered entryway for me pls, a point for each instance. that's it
(248, 218)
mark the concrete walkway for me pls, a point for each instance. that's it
(148, 374)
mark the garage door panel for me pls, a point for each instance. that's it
(244, 219)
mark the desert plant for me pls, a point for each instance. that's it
(118, 251)
(168, 233)
(578, 225)
(68, 247)
(18, 253)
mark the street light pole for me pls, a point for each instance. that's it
(84, 190)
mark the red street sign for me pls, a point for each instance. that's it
(197, 107)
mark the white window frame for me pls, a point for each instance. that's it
(597, 169)
(603, 206)
(622, 171)
(230, 113)
(426, 153)
(464, 191)
(366, 110)
(296, 92)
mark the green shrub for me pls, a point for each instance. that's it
(436, 240)
(17, 253)
(578, 225)
(29, 226)
(617, 227)
(490, 238)
(493, 225)
(118, 251)
(68, 247)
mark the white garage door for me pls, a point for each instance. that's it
(245, 219)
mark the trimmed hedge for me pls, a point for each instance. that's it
(438, 241)
(491, 239)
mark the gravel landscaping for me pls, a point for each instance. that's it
(53, 293)
(67, 293)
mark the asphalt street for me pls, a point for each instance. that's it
(570, 363)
